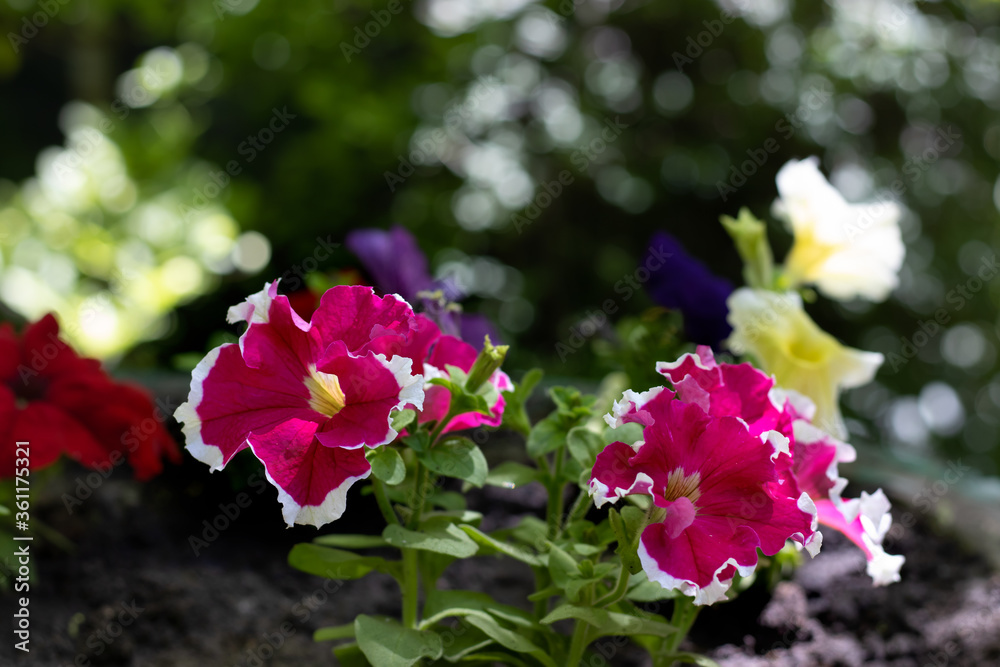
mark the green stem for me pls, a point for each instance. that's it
(420, 495)
(542, 581)
(411, 587)
(685, 613)
(578, 510)
(439, 428)
(556, 492)
(578, 644)
(619, 591)
(383, 502)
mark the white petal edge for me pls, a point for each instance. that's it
(187, 414)
(710, 594)
(601, 494)
(630, 400)
(331, 509)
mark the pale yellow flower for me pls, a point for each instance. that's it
(774, 328)
(845, 250)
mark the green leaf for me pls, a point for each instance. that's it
(418, 441)
(510, 639)
(510, 475)
(531, 531)
(337, 564)
(450, 541)
(495, 545)
(447, 500)
(386, 643)
(547, 436)
(457, 457)
(402, 418)
(627, 525)
(462, 643)
(350, 655)
(440, 520)
(515, 416)
(562, 566)
(351, 541)
(584, 445)
(443, 604)
(387, 464)
(641, 589)
(334, 633)
(610, 623)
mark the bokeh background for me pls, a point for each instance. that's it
(162, 160)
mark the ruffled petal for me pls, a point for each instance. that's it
(865, 521)
(355, 315)
(228, 401)
(700, 562)
(373, 387)
(312, 480)
(632, 407)
(615, 477)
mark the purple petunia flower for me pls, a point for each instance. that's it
(397, 265)
(684, 283)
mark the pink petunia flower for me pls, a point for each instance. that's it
(432, 352)
(719, 491)
(305, 397)
(745, 392)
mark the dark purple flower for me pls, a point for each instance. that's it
(397, 265)
(684, 283)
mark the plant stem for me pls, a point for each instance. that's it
(411, 587)
(383, 502)
(578, 644)
(685, 612)
(577, 511)
(619, 591)
(555, 506)
(542, 581)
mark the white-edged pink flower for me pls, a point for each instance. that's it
(745, 392)
(305, 397)
(719, 492)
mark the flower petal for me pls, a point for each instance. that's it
(373, 387)
(228, 401)
(312, 480)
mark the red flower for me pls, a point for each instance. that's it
(64, 404)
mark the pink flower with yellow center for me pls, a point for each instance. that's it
(305, 397)
(719, 494)
(745, 392)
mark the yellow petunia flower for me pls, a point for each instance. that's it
(788, 344)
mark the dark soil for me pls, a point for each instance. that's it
(135, 593)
